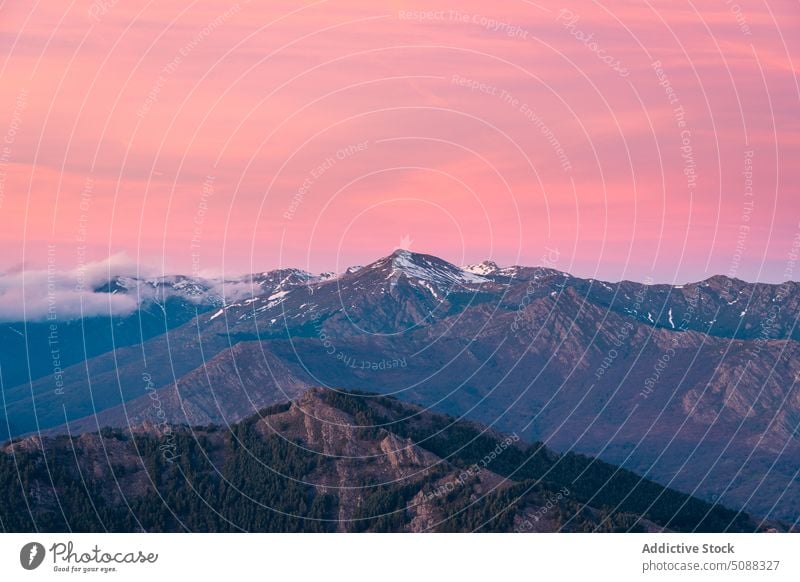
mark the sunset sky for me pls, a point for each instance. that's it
(636, 139)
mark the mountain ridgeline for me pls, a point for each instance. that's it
(333, 461)
(692, 387)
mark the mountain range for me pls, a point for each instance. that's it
(692, 386)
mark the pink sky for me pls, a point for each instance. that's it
(441, 132)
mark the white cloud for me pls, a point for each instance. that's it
(38, 294)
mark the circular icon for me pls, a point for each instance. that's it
(31, 555)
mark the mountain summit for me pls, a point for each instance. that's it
(425, 268)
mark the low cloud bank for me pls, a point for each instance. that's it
(42, 294)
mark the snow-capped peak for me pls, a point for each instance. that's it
(426, 268)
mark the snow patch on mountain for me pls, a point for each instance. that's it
(485, 268)
(277, 295)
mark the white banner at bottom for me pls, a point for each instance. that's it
(400, 557)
